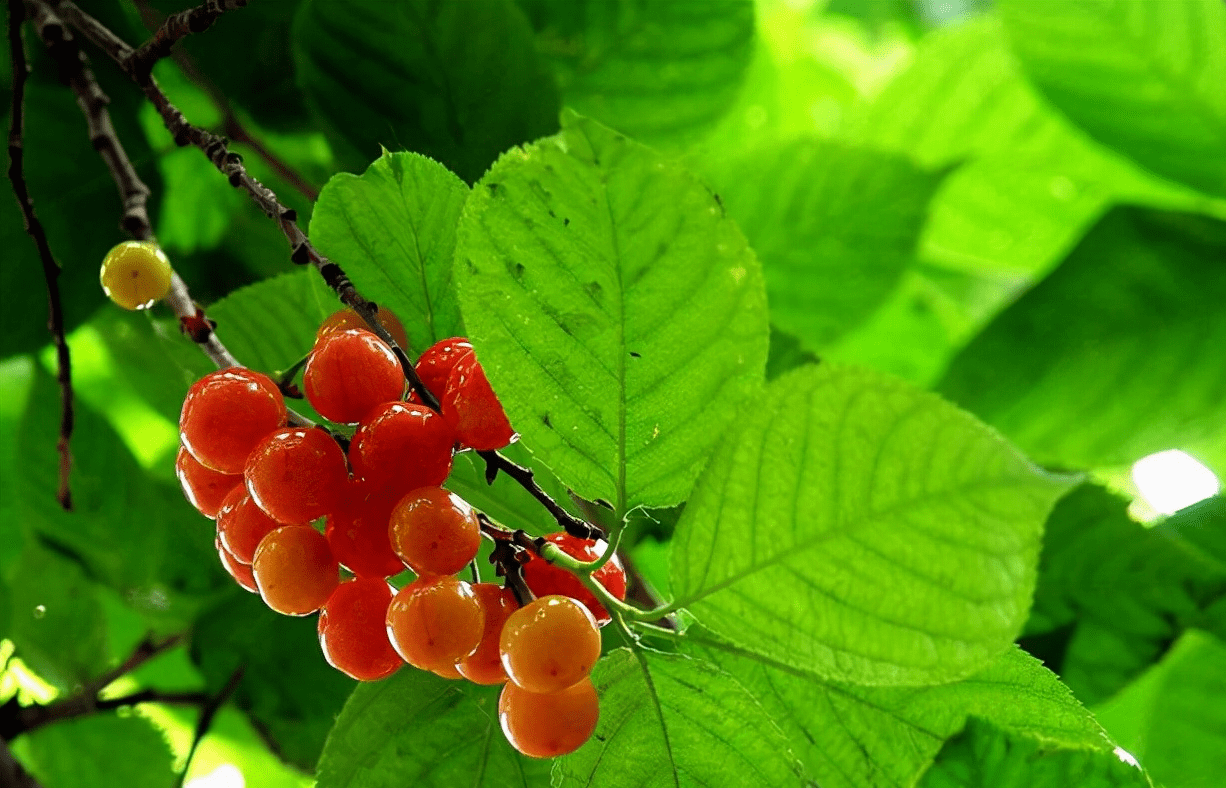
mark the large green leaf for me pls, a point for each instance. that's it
(1142, 77)
(415, 728)
(667, 720)
(1174, 718)
(99, 751)
(393, 231)
(1115, 355)
(865, 531)
(657, 71)
(459, 82)
(618, 313)
(834, 226)
(1113, 594)
(882, 737)
(983, 756)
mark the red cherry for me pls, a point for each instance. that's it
(226, 413)
(472, 409)
(435, 364)
(297, 474)
(401, 446)
(349, 374)
(545, 578)
(352, 633)
(204, 487)
(357, 531)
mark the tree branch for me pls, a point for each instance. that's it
(495, 462)
(51, 270)
(175, 28)
(12, 773)
(207, 713)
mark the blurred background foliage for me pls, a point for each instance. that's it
(1021, 205)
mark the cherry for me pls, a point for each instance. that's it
(435, 532)
(347, 318)
(546, 726)
(549, 644)
(484, 666)
(352, 632)
(241, 525)
(472, 409)
(544, 578)
(297, 474)
(135, 274)
(434, 622)
(226, 413)
(204, 487)
(357, 531)
(401, 446)
(349, 374)
(436, 362)
(294, 570)
(241, 572)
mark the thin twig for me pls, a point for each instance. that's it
(526, 478)
(176, 27)
(207, 713)
(24, 719)
(51, 270)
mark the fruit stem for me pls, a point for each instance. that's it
(582, 570)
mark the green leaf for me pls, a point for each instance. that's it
(290, 692)
(1144, 78)
(197, 205)
(505, 501)
(415, 728)
(660, 72)
(853, 736)
(99, 751)
(983, 756)
(458, 82)
(905, 532)
(1174, 718)
(1113, 356)
(1113, 594)
(619, 315)
(58, 626)
(667, 720)
(393, 231)
(835, 228)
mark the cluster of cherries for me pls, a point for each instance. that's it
(383, 509)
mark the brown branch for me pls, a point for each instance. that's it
(51, 270)
(207, 713)
(526, 478)
(175, 28)
(12, 773)
(24, 719)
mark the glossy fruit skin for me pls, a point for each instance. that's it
(294, 570)
(226, 413)
(472, 409)
(401, 446)
(352, 633)
(241, 572)
(135, 274)
(484, 666)
(450, 672)
(549, 644)
(349, 374)
(297, 474)
(434, 622)
(546, 726)
(544, 578)
(204, 488)
(436, 362)
(347, 318)
(434, 531)
(241, 525)
(357, 531)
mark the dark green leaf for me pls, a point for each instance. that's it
(667, 720)
(906, 532)
(1142, 77)
(101, 751)
(852, 736)
(1114, 356)
(835, 228)
(660, 72)
(459, 82)
(417, 729)
(619, 315)
(393, 231)
(983, 756)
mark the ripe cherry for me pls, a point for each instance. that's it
(241, 572)
(349, 374)
(347, 319)
(434, 622)
(294, 570)
(472, 409)
(135, 274)
(546, 726)
(434, 531)
(401, 446)
(226, 413)
(205, 488)
(549, 644)
(297, 474)
(352, 632)
(484, 666)
(357, 531)
(544, 578)
(241, 525)
(436, 362)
